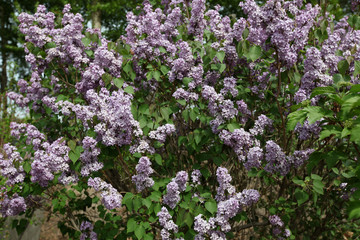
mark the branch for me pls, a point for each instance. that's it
(241, 227)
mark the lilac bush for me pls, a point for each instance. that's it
(193, 125)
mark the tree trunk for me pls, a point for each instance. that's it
(96, 16)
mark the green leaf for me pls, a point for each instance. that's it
(294, 118)
(131, 225)
(27, 167)
(72, 144)
(357, 68)
(329, 130)
(140, 231)
(318, 186)
(354, 210)
(343, 66)
(146, 202)
(345, 132)
(301, 196)
(86, 41)
(233, 126)
(211, 207)
(316, 177)
(162, 49)
(222, 68)
(158, 159)
(355, 88)
(157, 75)
(74, 156)
(144, 109)
(118, 82)
(322, 90)
(355, 134)
(129, 89)
(354, 22)
(164, 69)
(50, 45)
(137, 203)
(316, 113)
(181, 102)
(254, 53)
(165, 112)
(299, 182)
(220, 55)
(349, 104)
(106, 77)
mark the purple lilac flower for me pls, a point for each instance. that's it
(86, 229)
(197, 22)
(195, 177)
(224, 179)
(260, 124)
(276, 158)
(51, 159)
(89, 157)
(8, 165)
(276, 221)
(254, 157)
(172, 196)
(161, 132)
(142, 179)
(181, 180)
(12, 206)
(167, 223)
(110, 196)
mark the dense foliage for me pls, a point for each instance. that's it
(192, 125)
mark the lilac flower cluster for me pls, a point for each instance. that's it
(143, 170)
(33, 135)
(161, 132)
(87, 232)
(314, 74)
(111, 198)
(224, 179)
(307, 130)
(12, 206)
(260, 124)
(177, 185)
(226, 210)
(279, 231)
(142, 146)
(195, 177)
(197, 22)
(277, 161)
(239, 140)
(345, 191)
(287, 35)
(167, 223)
(49, 160)
(117, 124)
(89, 157)
(180, 93)
(8, 165)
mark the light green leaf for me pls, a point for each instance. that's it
(220, 55)
(140, 231)
(118, 82)
(129, 89)
(294, 118)
(254, 53)
(211, 207)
